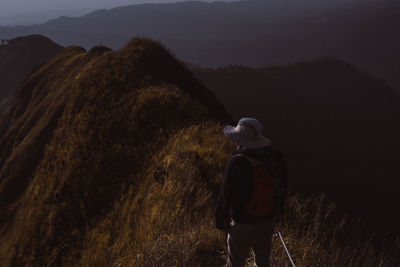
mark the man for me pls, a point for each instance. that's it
(252, 195)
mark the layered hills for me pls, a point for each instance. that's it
(18, 57)
(251, 33)
(114, 158)
(337, 125)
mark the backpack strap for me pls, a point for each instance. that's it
(251, 160)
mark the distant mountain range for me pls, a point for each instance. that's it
(30, 18)
(253, 33)
(18, 57)
(338, 127)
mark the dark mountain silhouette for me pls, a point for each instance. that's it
(18, 57)
(337, 125)
(251, 33)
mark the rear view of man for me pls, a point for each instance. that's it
(252, 195)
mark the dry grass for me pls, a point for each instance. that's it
(169, 219)
(318, 236)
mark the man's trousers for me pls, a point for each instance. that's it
(243, 237)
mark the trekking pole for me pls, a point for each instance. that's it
(284, 245)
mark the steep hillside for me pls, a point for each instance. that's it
(18, 57)
(88, 130)
(337, 125)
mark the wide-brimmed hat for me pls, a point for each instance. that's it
(247, 133)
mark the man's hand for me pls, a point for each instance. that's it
(224, 226)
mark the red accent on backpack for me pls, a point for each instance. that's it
(261, 201)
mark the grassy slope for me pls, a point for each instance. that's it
(126, 152)
(89, 124)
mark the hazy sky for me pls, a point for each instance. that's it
(11, 7)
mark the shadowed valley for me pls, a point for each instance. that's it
(337, 125)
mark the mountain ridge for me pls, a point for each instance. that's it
(80, 125)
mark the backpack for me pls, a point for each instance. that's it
(262, 197)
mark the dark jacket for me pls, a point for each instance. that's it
(237, 184)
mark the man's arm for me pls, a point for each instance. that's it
(233, 188)
(222, 211)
